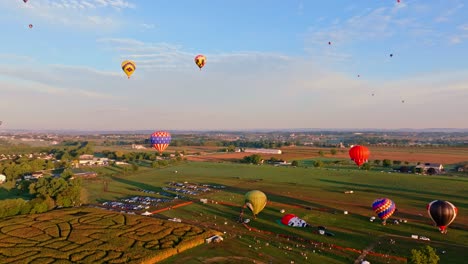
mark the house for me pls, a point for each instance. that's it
(2, 178)
(86, 157)
(430, 168)
(135, 146)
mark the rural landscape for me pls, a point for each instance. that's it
(234, 132)
(135, 205)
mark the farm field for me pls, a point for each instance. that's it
(444, 155)
(88, 235)
(317, 196)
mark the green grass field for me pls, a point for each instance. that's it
(320, 189)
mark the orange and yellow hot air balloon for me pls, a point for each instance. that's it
(128, 67)
(200, 60)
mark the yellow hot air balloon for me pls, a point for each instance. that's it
(255, 200)
(200, 60)
(128, 67)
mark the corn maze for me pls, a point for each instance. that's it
(89, 235)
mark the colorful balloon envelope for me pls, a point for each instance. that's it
(256, 201)
(359, 154)
(384, 208)
(200, 60)
(160, 140)
(128, 67)
(442, 213)
(293, 220)
(30, 26)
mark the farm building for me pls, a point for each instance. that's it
(430, 168)
(263, 151)
(2, 178)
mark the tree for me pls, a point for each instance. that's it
(134, 167)
(387, 163)
(424, 255)
(366, 166)
(66, 174)
(377, 162)
(295, 163)
(321, 154)
(397, 162)
(255, 159)
(318, 163)
(333, 151)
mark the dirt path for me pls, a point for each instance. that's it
(365, 251)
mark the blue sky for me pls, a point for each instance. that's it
(269, 64)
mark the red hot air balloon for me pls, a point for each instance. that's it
(160, 140)
(359, 154)
(442, 213)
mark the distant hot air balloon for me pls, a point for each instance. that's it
(255, 200)
(442, 213)
(293, 220)
(384, 208)
(128, 67)
(200, 60)
(359, 76)
(391, 55)
(359, 154)
(30, 26)
(160, 140)
(329, 42)
(25, 1)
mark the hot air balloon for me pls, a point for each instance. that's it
(359, 154)
(442, 213)
(293, 220)
(160, 140)
(359, 76)
(128, 67)
(255, 200)
(329, 42)
(200, 60)
(30, 26)
(25, 1)
(384, 208)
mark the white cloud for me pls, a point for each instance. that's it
(153, 56)
(147, 26)
(238, 90)
(53, 80)
(87, 14)
(447, 15)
